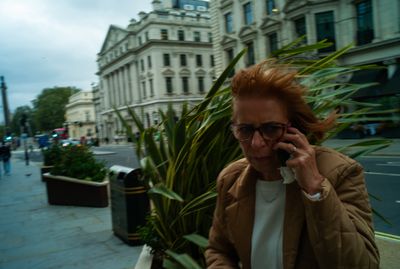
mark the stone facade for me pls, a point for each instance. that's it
(372, 25)
(163, 58)
(80, 116)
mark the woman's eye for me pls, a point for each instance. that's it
(246, 129)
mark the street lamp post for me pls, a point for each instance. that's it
(24, 135)
(5, 102)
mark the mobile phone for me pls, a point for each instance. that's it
(283, 156)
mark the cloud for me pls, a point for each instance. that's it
(46, 43)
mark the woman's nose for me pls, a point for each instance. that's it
(258, 140)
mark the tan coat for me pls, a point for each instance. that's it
(335, 232)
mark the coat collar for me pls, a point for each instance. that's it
(240, 216)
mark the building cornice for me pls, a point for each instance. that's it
(154, 102)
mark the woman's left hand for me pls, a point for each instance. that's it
(303, 160)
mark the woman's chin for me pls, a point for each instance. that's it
(263, 162)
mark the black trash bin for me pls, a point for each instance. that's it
(129, 203)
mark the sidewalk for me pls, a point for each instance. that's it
(36, 235)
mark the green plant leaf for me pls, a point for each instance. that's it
(161, 189)
(168, 264)
(197, 239)
(183, 259)
(218, 83)
(379, 215)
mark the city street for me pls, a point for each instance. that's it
(383, 181)
(382, 177)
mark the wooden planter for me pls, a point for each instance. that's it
(45, 169)
(71, 191)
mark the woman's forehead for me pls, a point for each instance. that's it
(259, 110)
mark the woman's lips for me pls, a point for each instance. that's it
(262, 158)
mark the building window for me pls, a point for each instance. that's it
(228, 23)
(230, 56)
(250, 60)
(87, 116)
(270, 7)
(273, 42)
(185, 85)
(142, 65)
(155, 117)
(149, 61)
(212, 63)
(196, 36)
(146, 36)
(164, 34)
(168, 85)
(210, 39)
(199, 60)
(182, 58)
(181, 35)
(151, 87)
(300, 28)
(365, 26)
(248, 13)
(144, 89)
(166, 59)
(140, 40)
(325, 25)
(200, 81)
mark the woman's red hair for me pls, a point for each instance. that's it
(268, 80)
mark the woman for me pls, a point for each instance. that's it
(6, 156)
(287, 204)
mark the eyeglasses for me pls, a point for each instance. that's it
(268, 131)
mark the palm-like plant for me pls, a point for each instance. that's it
(182, 166)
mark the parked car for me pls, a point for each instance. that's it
(67, 142)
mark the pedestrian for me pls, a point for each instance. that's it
(288, 203)
(6, 156)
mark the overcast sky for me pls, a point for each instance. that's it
(47, 43)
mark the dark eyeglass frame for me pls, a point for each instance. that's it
(235, 126)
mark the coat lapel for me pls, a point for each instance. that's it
(293, 224)
(240, 213)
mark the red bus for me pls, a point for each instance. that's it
(61, 133)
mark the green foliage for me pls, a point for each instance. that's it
(79, 162)
(52, 154)
(49, 107)
(183, 164)
(16, 118)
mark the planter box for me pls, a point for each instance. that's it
(45, 169)
(71, 191)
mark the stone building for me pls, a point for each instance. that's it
(163, 58)
(80, 116)
(373, 26)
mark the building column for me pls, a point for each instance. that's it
(126, 85)
(110, 90)
(124, 100)
(120, 89)
(115, 85)
(104, 98)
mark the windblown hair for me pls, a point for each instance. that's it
(269, 80)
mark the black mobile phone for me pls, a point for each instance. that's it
(283, 156)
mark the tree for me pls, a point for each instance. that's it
(49, 107)
(18, 115)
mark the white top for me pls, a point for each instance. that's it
(266, 241)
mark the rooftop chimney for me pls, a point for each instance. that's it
(157, 5)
